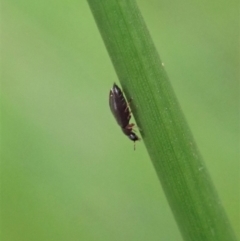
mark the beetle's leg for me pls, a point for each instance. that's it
(127, 109)
(130, 126)
(128, 106)
(130, 100)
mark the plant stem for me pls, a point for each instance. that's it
(171, 147)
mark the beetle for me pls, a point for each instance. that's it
(121, 112)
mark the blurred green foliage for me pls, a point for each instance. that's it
(68, 173)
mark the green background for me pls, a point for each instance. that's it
(67, 171)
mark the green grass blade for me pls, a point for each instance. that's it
(169, 142)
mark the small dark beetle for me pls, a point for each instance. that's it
(121, 112)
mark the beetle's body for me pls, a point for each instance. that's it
(121, 112)
(119, 107)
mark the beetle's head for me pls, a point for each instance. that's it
(132, 136)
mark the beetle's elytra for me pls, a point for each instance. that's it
(121, 112)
